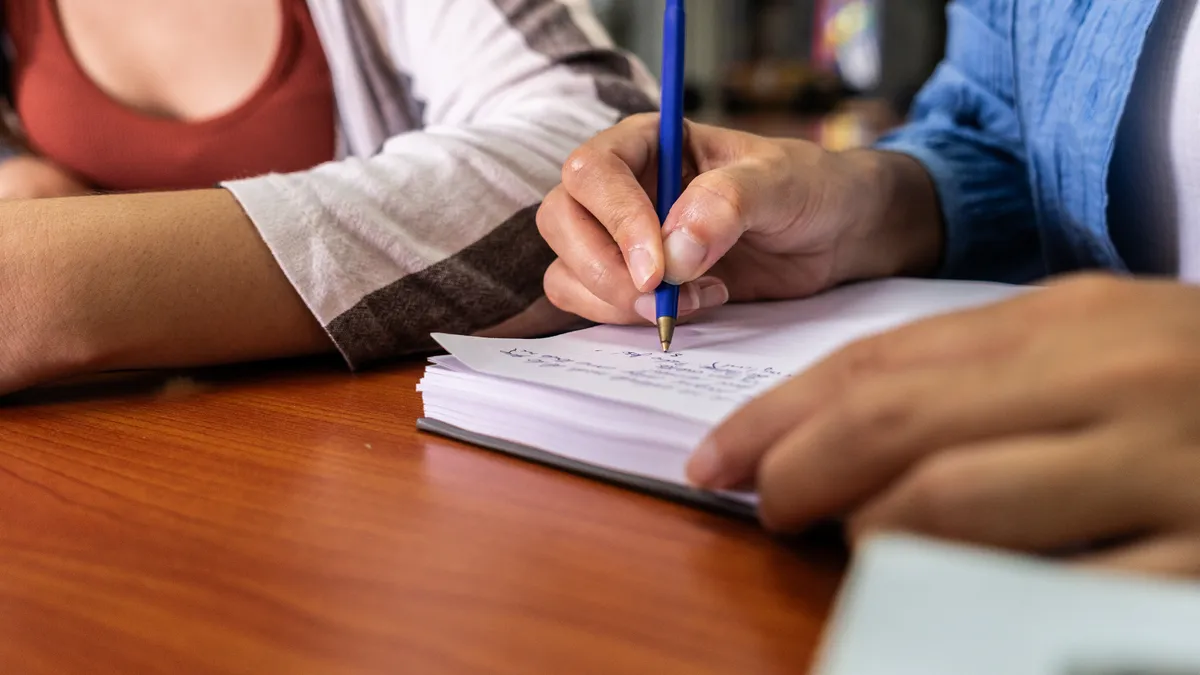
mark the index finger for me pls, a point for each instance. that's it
(604, 174)
(732, 452)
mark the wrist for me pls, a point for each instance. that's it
(896, 225)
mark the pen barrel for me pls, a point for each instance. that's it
(670, 145)
(666, 300)
(670, 135)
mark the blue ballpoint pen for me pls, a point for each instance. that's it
(670, 152)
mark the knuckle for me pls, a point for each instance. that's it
(624, 230)
(556, 286)
(771, 158)
(579, 165)
(640, 120)
(852, 367)
(943, 495)
(867, 422)
(1149, 363)
(864, 357)
(1083, 294)
(600, 278)
(729, 196)
(549, 213)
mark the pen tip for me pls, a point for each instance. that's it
(666, 331)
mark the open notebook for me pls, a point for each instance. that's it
(607, 403)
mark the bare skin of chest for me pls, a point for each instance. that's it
(178, 59)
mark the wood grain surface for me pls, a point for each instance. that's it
(288, 518)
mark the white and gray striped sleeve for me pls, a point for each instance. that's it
(437, 231)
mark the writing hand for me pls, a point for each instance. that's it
(1066, 418)
(758, 219)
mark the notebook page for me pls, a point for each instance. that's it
(715, 366)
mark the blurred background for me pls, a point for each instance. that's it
(839, 72)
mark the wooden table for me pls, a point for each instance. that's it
(288, 518)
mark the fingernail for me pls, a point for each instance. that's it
(641, 267)
(704, 468)
(704, 293)
(646, 307)
(712, 292)
(684, 256)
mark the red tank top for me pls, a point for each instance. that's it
(287, 124)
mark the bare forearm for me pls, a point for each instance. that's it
(141, 281)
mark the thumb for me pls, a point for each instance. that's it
(708, 219)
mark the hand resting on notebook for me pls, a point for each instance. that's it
(1066, 419)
